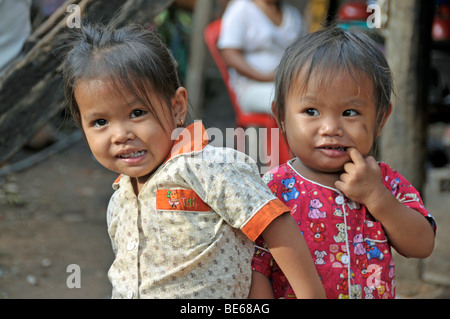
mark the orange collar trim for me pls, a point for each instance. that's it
(193, 138)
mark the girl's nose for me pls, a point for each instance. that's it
(331, 127)
(121, 134)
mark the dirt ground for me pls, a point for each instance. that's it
(51, 216)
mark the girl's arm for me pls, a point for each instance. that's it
(288, 247)
(408, 231)
(234, 58)
(260, 287)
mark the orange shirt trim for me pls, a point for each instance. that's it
(191, 139)
(256, 225)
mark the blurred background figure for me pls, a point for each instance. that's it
(15, 27)
(254, 35)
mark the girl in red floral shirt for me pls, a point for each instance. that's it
(332, 99)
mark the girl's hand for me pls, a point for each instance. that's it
(408, 231)
(361, 180)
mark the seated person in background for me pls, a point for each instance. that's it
(254, 35)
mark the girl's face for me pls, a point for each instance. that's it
(327, 119)
(122, 134)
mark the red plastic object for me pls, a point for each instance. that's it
(353, 11)
(243, 119)
(441, 24)
(441, 29)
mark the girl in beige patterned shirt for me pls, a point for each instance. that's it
(184, 215)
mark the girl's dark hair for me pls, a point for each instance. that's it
(133, 58)
(329, 51)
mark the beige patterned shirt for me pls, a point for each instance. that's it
(190, 231)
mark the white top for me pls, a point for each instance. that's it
(15, 27)
(246, 27)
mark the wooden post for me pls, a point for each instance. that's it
(194, 81)
(403, 142)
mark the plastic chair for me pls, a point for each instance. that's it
(243, 119)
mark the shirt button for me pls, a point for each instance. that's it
(339, 200)
(131, 245)
(130, 294)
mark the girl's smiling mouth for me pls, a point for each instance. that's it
(132, 157)
(132, 154)
(333, 150)
(338, 148)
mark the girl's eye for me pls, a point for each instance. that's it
(99, 122)
(350, 113)
(137, 113)
(312, 112)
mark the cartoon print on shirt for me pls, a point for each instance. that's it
(289, 189)
(373, 251)
(391, 268)
(319, 257)
(394, 184)
(353, 205)
(314, 212)
(338, 212)
(340, 237)
(318, 229)
(369, 292)
(362, 265)
(358, 245)
(408, 198)
(174, 201)
(343, 284)
(356, 291)
(274, 189)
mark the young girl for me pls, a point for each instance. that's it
(332, 100)
(184, 214)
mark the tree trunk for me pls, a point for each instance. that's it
(403, 142)
(195, 76)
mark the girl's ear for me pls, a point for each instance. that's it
(278, 117)
(179, 105)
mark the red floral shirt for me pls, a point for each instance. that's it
(348, 245)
